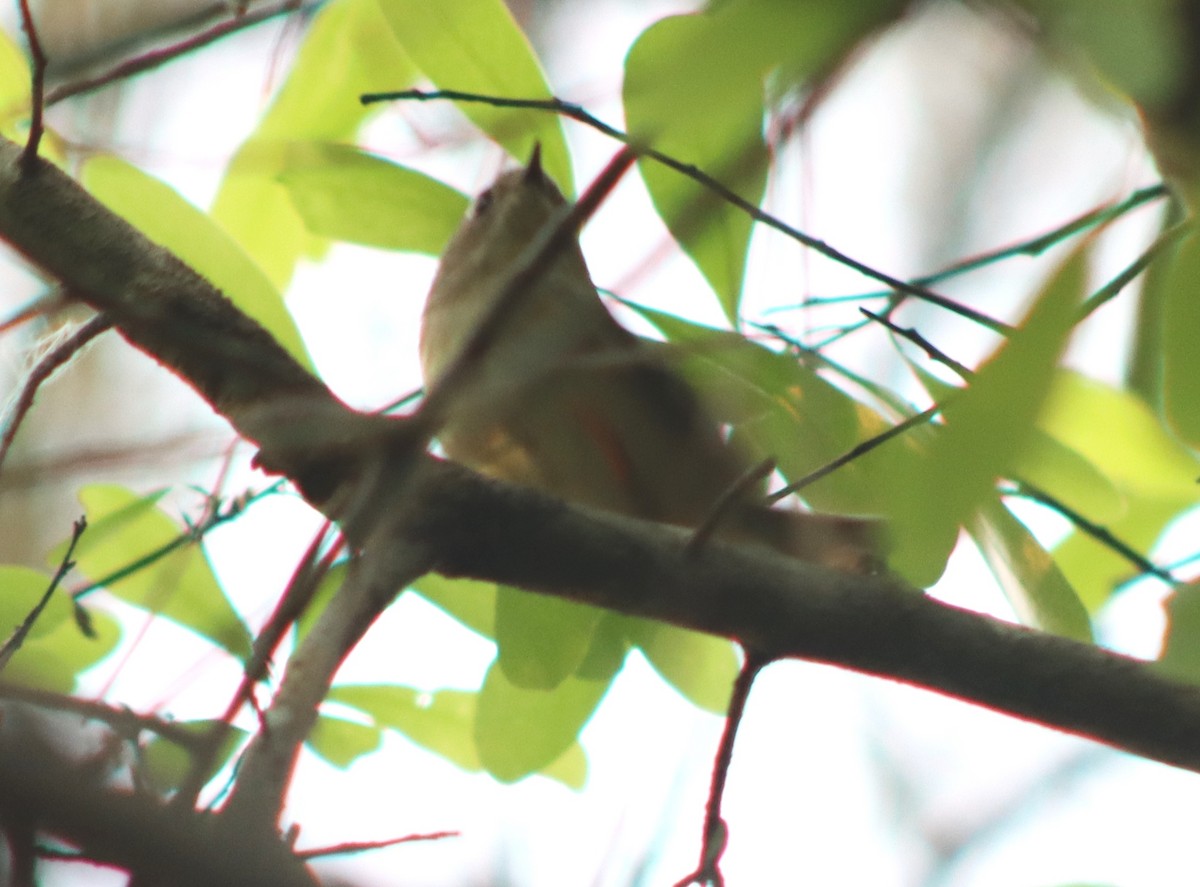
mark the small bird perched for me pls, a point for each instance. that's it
(567, 400)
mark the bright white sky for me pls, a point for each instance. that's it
(838, 779)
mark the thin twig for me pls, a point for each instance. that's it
(305, 581)
(936, 354)
(120, 719)
(360, 846)
(855, 452)
(1034, 246)
(716, 832)
(65, 566)
(721, 508)
(1101, 534)
(37, 90)
(576, 112)
(1111, 289)
(55, 358)
(193, 534)
(158, 57)
(39, 307)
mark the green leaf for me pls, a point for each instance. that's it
(701, 667)
(123, 528)
(986, 428)
(1152, 471)
(476, 46)
(570, 768)
(349, 50)
(442, 722)
(1069, 477)
(54, 660)
(684, 96)
(694, 87)
(328, 588)
(166, 763)
(1138, 47)
(169, 220)
(1181, 357)
(542, 640)
(1121, 436)
(1094, 569)
(520, 731)
(14, 84)
(341, 742)
(346, 194)
(1032, 581)
(21, 588)
(1181, 651)
(471, 602)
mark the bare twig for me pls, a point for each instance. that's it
(123, 721)
(855, 452)
(716, 832)
(576, 112)
(1101, 534)
(935, 353)
(55, 358)
(313, 567)
(1111, 289)
(361, 846)
(720, 509)
(213, 519)
(389, 562)
(241, 20)
(65, 566)
(37, 90)
(1034, 246)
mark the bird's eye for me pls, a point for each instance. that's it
(482, 203)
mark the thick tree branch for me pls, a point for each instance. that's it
(487, 530)
(168, 311)
(50, 793)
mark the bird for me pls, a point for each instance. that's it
(566, 400)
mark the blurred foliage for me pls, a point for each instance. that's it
(703, 88)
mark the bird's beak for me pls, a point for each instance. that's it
(533, 169)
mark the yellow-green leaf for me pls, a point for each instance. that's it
(1181, 356)
(167, 219)
(442, 721)
(53, 661)
(986, 428)
(520, 731)
(1032, 582)
(701, 667)
(476, 46)
(471, 602)
(348, 50)
(346, 194)
(542, 640)
(686, 97)
(342, 742)
(21, 589)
